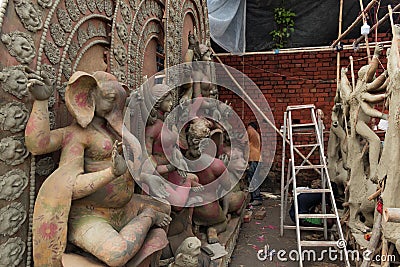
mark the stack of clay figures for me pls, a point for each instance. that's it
(364, 167)
(88, 210)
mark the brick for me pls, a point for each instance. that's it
(296, 78)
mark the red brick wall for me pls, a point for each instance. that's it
(293, 79)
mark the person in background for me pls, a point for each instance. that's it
(254, 159)
(309, 203)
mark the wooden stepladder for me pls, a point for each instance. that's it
(299, 137)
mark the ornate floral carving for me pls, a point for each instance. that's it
(13, 117)
(72, 9)
(91, 30)
(50, 72)
(12, 252)
(52, 52)
(101, 31)
(52, 101)
(45, 166)
(61, 90)
(173, 34)
(58, 34)
(120, 54)
(20, 45)
(140, 18)
(82, 36)
(52, 119)
(12, 184)
(108, 7)
(133, 4)
(100, 5)
(67, 69)
(126, 12)
(73, 50)
(120, 74)
(82, 6)
(11, 218)
(65, 20)
(139, 35)
(45, 3)
(132, 67)
(13, 150)
(14, 81)
(91, 5)
(29, 14)
(122, 32)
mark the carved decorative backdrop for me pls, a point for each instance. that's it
(59, 37)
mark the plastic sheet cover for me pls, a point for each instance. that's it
(316, 22)
(228, 24)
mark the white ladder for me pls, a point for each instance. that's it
(312, 128)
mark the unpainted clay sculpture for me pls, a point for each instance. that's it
(360, 101)
(198, 74)
(233, 201)
(187, 254)
(389, 168)
(163, 159)
(210, 214)
(337, 149)
(181, 182)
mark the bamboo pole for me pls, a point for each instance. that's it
(384, 252)
(375, 195)
(385, 261)
(260, 111)
(365, 35)
(352, 72)
(298, 50)
(383, 19)
(338, 53)
(391, 215)
(368, 7)
(377, 21)
(375, 237)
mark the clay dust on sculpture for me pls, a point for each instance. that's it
(89, 200)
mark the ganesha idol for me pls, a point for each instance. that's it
(89, 200)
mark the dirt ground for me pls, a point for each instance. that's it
(255, 234)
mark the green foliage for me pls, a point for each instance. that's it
(284, 19)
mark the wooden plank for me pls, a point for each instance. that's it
(392, 215)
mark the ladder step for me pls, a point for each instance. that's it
(317, 216)
(303, 125)
(299, 107)
(319, 190)
(322, 243)
(307, 167)
(306, 228)
(307, 145)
